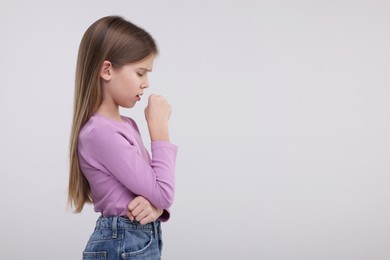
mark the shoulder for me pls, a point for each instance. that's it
(97, 129)
(95, 126)
(102, 140)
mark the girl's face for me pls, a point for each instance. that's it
(127, 83)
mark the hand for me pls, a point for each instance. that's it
(143, 211)
(157, 114)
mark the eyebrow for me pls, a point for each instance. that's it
(146, 69)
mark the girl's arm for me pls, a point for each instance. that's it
(121, 159)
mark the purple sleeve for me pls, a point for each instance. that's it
(165, 216)
(155, 181)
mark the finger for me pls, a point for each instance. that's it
(134, 203)
(130, 216)
(146, 220)
(140, 207)
(146, 212)
(151, 97)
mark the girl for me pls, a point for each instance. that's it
(109, 165)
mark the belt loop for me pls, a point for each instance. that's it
(154, 223)
(114, 227)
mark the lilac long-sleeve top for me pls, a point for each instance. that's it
(118, 167)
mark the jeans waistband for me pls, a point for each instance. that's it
(116, 223)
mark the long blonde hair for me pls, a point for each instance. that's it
(110, 38)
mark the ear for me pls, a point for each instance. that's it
(106, 70)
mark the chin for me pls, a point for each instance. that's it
(128, 105)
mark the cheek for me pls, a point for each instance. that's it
(126, 83)
(133, 81)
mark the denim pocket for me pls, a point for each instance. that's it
(94, 255)
(136, 243)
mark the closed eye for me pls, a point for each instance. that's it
(140, 74)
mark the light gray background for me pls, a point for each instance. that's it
(281, 113)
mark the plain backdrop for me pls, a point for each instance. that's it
(281, 111)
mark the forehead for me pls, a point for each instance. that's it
(146, 63)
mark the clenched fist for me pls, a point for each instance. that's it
(141, 210)
(157, 114)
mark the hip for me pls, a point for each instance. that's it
(119, 238)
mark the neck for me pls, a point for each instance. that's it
(110, 111)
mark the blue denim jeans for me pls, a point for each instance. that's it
(118, 238)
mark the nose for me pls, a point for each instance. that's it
(145, 84)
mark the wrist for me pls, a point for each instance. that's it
(159, 134)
